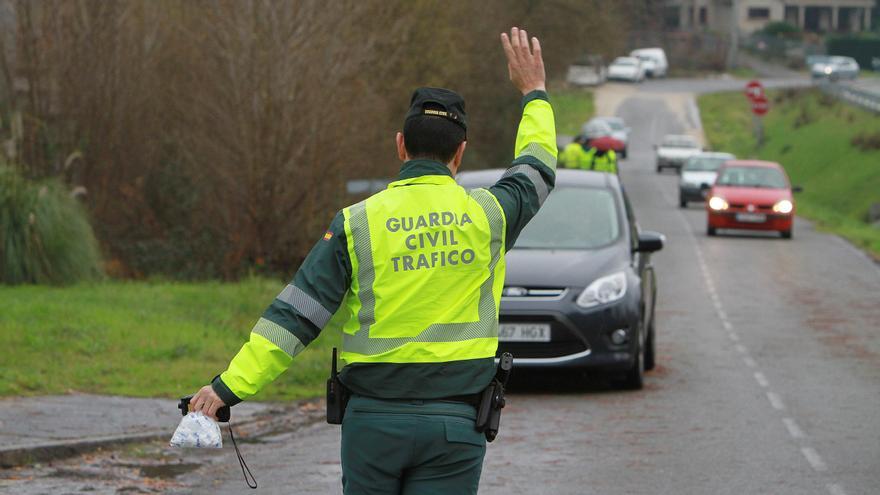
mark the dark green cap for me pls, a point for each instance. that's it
(438, 102)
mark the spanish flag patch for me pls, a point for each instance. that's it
(328, 235)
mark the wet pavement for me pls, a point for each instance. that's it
(26, 421)
(144, 467)
(768, 376)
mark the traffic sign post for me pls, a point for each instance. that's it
(754, 89)
(760, 106)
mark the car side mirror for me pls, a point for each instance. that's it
(650, 241)
(797, 189)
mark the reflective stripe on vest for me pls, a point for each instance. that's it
(441, 309)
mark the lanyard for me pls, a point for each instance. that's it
(245, 470)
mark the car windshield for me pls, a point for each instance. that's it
(595, 223)
(615, 124)
(679, 142)
(624, 61)
(752, 177)
(705, 163)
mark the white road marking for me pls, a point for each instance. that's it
(835, 489)
(793, 429)
(761, 379)
(813, 458)
(775, 401)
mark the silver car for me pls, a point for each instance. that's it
(698, 174)
(674, 150)
(834, 68)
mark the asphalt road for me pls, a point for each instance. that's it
(768, 378)
(768, 375)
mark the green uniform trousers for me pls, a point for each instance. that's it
(410, 447)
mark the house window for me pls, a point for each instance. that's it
(759, 13)
(704, 17)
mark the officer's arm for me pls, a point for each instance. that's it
(532, 175)
(293, 320)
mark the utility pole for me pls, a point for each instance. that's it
(733, 45)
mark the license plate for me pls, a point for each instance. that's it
(751, 217)
(524, 332)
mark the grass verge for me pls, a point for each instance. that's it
(812, 136)
(572, 108)
(159, 339)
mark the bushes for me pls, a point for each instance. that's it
(45, 236)
(781, 29)
(217, 136)
(860, 47)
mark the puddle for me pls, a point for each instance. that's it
(168, 470)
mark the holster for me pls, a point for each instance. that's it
(337, 395)
(489, 411)
(337, 400)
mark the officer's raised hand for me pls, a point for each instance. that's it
(525, 64)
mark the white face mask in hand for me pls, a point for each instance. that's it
(197, 431)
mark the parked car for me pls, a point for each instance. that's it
(600, 135)
(587, 71)
(619, 131)
(674, 150)
(834, 68)
(580, 286)
(627, 69)
(654, 60)
(698, 174)
(751, 195)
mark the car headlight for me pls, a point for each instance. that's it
(717, 203)
(783, 206)
(603, 290)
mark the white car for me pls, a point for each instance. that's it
(587, 71)
(675, 150)
(627, 69)
(619, 131)
(698, 175)
(654, 60)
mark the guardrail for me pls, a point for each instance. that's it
(868, 100)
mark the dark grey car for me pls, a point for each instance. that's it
(580, 287)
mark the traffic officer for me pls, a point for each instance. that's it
(600, 158)
(413, 275)
(574, 155)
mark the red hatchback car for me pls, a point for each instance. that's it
(753, 195)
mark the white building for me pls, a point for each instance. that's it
(751, 15)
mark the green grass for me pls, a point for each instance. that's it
(572, 107)
(159, 339)
(810, 135)
(743, 73)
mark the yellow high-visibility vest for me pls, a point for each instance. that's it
(605, 163)
(427, 262)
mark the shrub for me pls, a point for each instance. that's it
(781, 29)
(867, 141)
(45, 236)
